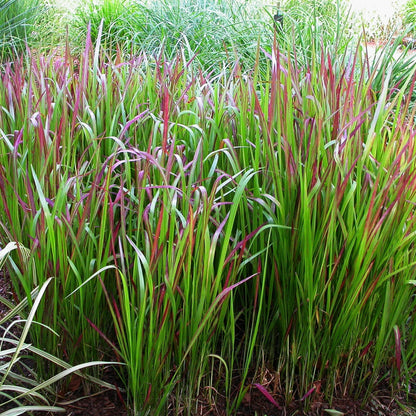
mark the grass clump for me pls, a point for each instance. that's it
(338, 176)
(21, 389)
(210, 30)
(206, 227)
(409, 13)
(313, 24)
(18, 25)
(111, 15)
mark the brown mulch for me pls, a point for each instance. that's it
(255, 403)
(108, 404)
(104, 403)
(5, 291)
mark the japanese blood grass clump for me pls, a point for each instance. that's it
(337, 315)
(119, 179)
(201, 228)
(46, 205)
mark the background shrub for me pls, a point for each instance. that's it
(18, 24)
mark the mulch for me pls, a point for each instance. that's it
(109, 404)
(104, 403)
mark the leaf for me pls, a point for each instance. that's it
(13, 245)
(334, 412)
(398, 349)
(21, 410)
(267, 395)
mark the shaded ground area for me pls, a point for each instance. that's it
(256, 404)
(107, 404)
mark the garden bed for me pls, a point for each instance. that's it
(215, 225)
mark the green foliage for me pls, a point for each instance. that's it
(18, 20)
(402, 65)
(313, 24)
(202, 227)
(409, 12)
(343, 180)
(113, 15)
(21, 389)
(209, 29)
